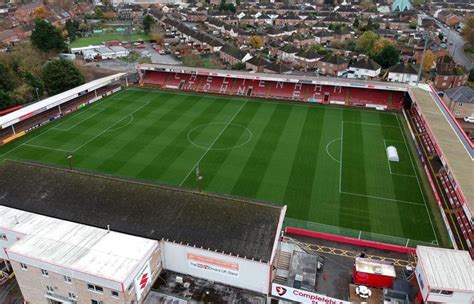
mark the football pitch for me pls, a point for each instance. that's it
(327, 164)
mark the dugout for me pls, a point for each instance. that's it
(216, 238)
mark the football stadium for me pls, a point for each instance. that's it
(353, 158)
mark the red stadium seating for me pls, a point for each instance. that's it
(273, 89)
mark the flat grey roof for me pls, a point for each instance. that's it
(457, 151)
(212, 222)
(447, 268)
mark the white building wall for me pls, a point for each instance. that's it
(83, 276)
(402, 78)
(251, 275)
(428, 296)
(12, 237)
(363, 73)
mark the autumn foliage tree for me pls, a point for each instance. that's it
(429, 60)
(256, 42)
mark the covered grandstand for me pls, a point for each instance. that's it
(448, 156)
(17, 123)
(288, 87)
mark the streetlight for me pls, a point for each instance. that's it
(69, 158)
(37, 94)
(426, 35)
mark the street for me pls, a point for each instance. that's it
(455, 45)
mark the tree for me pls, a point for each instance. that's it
(227, 6)
(61, 75)
(356, 23)
(71, 27)
(5, 100)
(192, 60)
(6, 79)
(367, 4)
(159, 38)
(429, 60)
(99, 13)
(471, 75)
(388, 57)
(318, 48)
(412, 24)
(468, 31)
(46, 37)
(147, 23)
(238, 66)
(440, 36)
(380, 44)
(109, 15)
(256, 42)
(366, 42)
(40, 12)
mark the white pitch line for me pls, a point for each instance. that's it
(382, 198)
(340, 167)
(212, 144)
(417, 180)
(388, 162)
(78, 123)
(327, 151)
(110, 127)
(369, 124)
(47, 148)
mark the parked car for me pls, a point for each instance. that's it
(469, 119)
(140, 46)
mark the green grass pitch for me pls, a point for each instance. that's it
(328, 164)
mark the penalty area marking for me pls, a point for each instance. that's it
(327, 150)
(249, 137)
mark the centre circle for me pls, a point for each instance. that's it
(206, 136)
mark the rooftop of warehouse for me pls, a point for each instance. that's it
(218, 223)
(79, 247)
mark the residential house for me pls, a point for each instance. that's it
(8, 37)
(404, 73)
(256, 64)
(460, 101)
(364, 68)
(335, 18)
(287, 52)
(448, 74)
(278, 68)
(233, 55)
(332, 65)
(453, 20)
(307, 59)
(323, 37)
(26, 13)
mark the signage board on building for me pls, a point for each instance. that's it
(213, 265)
(302, 296)
(142, 280)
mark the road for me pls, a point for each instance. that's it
(455, 46)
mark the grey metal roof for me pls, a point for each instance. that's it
(209, 221)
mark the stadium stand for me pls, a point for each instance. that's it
(282, 89)
(15, 124)
(451, 201)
